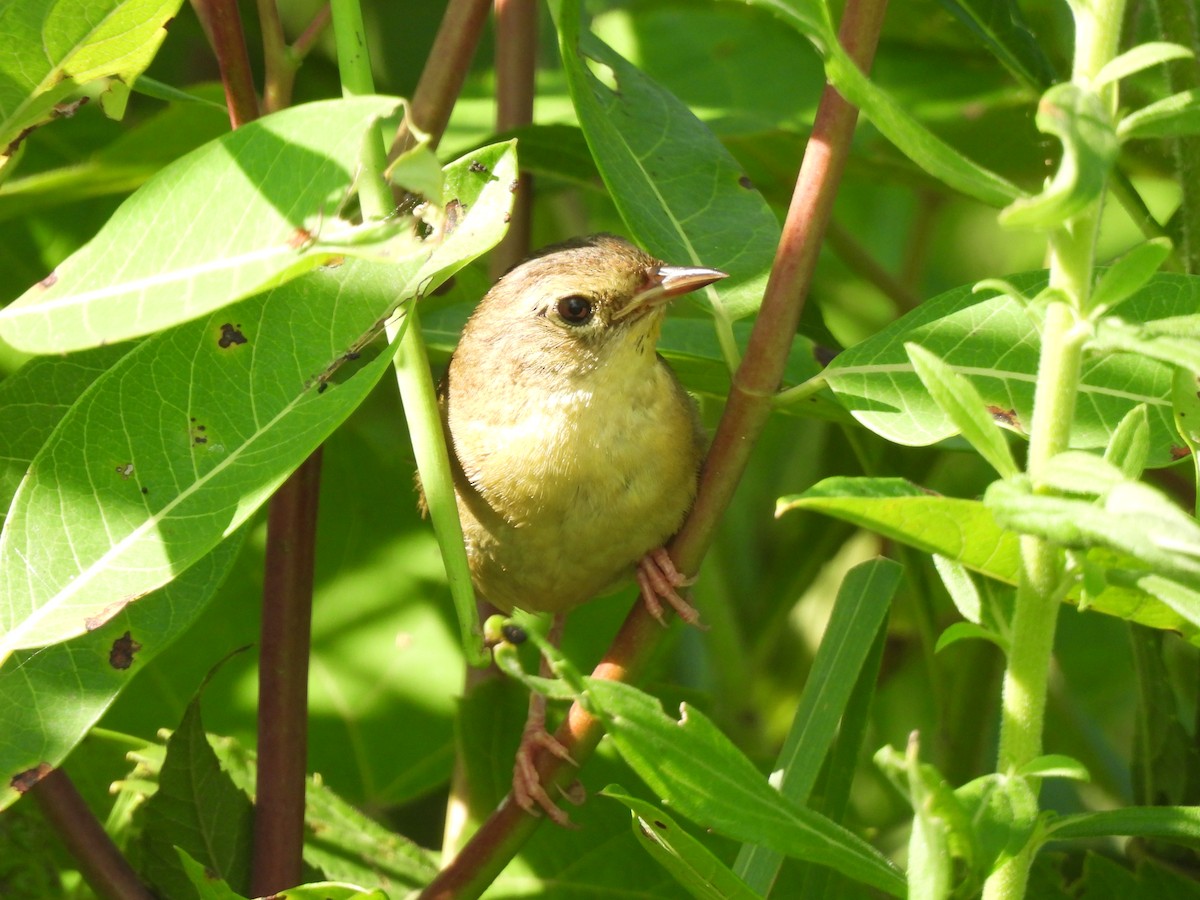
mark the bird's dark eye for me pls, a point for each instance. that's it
(575, 310)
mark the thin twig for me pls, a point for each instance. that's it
(223, 25)
(516, 68)
(103, 867)
(279, 69)
(283, 681)
(445, 70)
(308, 37)
(749, 406)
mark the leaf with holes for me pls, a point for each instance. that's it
(238, 215)
(994, 343)
(178, 443)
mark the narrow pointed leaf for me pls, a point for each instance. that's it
(1143, 56)
(1172, 116)
(690, 863)
(677, 188)
(700, 773)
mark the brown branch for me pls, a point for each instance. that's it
(746, 412)
(445, 70)
(308, 37)
(100, 862)
(516, 69)
(223, 25)
(283, 681)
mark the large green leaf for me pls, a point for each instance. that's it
(994, 343)
(50, 698)
(699, 772)
(968, 532)
(53, 47)
(176, 445)
(677, 188)
(234, 217)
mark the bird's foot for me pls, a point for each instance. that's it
(658, 579)
(527, 785)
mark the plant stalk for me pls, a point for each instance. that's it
(102, 865)
(1064, 335)
(223, 25)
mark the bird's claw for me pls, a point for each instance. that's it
(527, 785)
(658, 580)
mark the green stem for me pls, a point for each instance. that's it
(413, 376)
(1064, 336)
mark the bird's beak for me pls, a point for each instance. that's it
(666, 282)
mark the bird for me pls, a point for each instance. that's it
(575, 450)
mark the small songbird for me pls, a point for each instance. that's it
(575, 449)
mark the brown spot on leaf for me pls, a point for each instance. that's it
(91, 623)
(662, 826)
(15, 144)
(322, 387)
(1005, 416)
(477, 166)
(49, 281)
(67, 109)
(507, 218)
(145, 490)
(514, 634)
(745, 182)
(230, 334)
(513, 185)
(1178, 452)
(125, 470)
(123, 650)
(453, 210)
(23, 781)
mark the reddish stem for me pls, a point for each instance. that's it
(223, 25)
(100, 862)
(283, 681)
(516, 69)
(445, 71)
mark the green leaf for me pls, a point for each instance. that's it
(234, 217)
(961, 402)
(1130, 443)
(963, 631)
(1138, 58)
(210, 888)
(1001, 28)
(969, 532)
(1185, 400)
(1166, 822)
(1172, 116)
(690, 863)
(700, 773)
(677, 188)
(213, 416)
(1055, 765)
(1078, 118)
(1131, 518)
(1129, 274)
(994, 342)
(198, 809)
(51, 698)
(1003, 812)
(913, 139)
(929, 842)
(339, 840)
(54, 47)
(962, 590)
(1115, 336)
(860, 609)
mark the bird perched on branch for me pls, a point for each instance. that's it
(575, 450)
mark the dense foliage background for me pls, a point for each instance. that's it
(386, 707)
